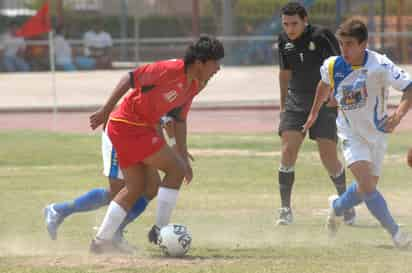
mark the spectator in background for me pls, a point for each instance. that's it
(63, 51)
(12, 49)
(98, 45)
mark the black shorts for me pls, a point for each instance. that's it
(324, 127)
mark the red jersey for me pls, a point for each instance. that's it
(158, 88)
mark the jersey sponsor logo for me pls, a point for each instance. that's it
(170, 96)
(312, 46)
(289, 46)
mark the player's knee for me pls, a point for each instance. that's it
(115, 186)
(151, 191)
(289, 154)
(175, 174)
(368, 185)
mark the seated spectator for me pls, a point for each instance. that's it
(98, 45)
(13, 49)
(63, 51)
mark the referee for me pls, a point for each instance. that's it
(302, 50)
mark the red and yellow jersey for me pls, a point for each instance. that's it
(158, 89)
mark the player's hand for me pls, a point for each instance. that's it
(309, 122)
(332, 102)
(188, 172)
(190, 156)
(98, 118)
(391, 122)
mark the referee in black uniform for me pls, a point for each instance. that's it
(302, 50)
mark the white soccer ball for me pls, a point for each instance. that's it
(175, 240)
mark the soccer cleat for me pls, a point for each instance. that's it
(153, 235)
(98, 246)
(332, 221)
(53, 220)
(349, 216)
(402, 240)
(121, 243)
(285, 217)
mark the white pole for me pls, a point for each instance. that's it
(53, 75)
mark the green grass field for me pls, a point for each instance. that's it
(230, 208)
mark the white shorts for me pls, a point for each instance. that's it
(356, 148)
(111, 166)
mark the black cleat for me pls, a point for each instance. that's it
(153, 235)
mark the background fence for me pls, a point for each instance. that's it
(149, 30)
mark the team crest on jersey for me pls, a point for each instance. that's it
(289, 46)
(312, 46)
(170, 96)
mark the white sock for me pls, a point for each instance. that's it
(114, 217)
(166, 202)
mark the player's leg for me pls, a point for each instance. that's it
(152, 180)
(56, 213)
(354, 150)
(165, 160)
(93, 199)
(324, 131)
(168, 189)
(118, 209)
(365, 173)
(376, 203)
(291, 140)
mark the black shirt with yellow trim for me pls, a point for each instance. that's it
(304, 57)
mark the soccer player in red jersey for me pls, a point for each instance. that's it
(158, 88)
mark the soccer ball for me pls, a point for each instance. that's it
(175, 240)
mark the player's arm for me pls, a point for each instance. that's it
(322, 94)
(181, 148)
(285, 72)
(284, 78)
(401, 110)
(399, 79)
(100, 116)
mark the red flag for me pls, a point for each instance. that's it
(38, 24)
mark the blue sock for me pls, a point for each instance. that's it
(91, 200)
(377, 206)
(136, 210)
(347, 200)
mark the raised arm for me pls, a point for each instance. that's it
(100, 116)
(322, 94)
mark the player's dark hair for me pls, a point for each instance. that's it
(204, 49)
(354, 28)
(294, 8)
